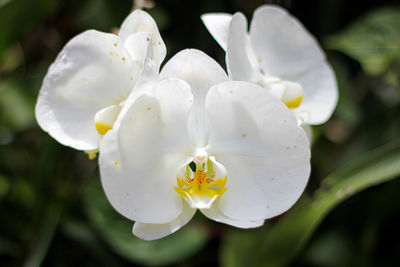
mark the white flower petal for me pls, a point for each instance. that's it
(239, 55)
(137, 45)
(214, 213)
(150, 69)
(152, 231)
(308, 130)
(200, 72)
(265, 153)
(197, 69)
(144, 85)
(147, 77)
(218, 25)
(283, 46)
(141, 21)
(92, 71)
(139, 161)
(320, 94)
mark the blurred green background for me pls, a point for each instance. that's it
(53, 211)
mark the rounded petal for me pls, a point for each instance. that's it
(281, 43)
(150, 69)
(214, 213)
(200, 72)
(218, 25)
(92, 71)
(265, 153)
(138, 45)
(239, 55)
(139, 160)
(141, 21)
(320, 94)
(152, 231)
(144, 83)
(197, 69)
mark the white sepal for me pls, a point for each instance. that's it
(239, 55)
(152, 231)
(214, 213)
(141, 21)
(218, 25)
(282, 44)
(200, 72)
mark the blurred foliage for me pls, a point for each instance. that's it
(373, 40)
(17, 17)
(278, 244)
(15, 106)
(54, 213)
(118, 232)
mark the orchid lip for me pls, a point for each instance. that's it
(290, 93)
(201, 180)
(105, 118)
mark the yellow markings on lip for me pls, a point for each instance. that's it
(295, 103)
(201, 186)
(292, 95)
(102, 128)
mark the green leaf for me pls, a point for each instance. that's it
(277, 245)
(373, 40)
(117, 231)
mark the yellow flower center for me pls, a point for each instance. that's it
(202, 183)
(200, 186)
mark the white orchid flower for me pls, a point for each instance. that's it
(87, 85)
(192, 140)
(279, 54)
